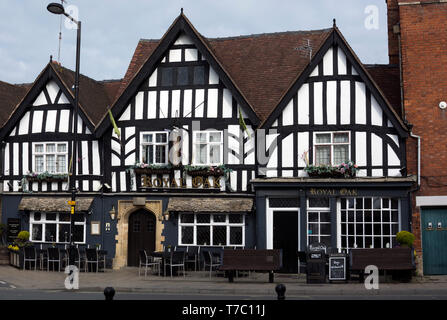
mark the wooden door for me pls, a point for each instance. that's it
(434, 240)
(141, 235)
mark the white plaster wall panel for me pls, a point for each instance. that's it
(130, 131)
(200, 97)
(354, 71)
(130, 146)
(24, 124)
(52, 89)
(389, 123)
(318, 103)
(185, 145)
(376, 112)
(153, 79)
(96, 185)
(275, 123)
(360, 103)
(6, 164)
(80, 123)
(376, 150)
(250, 145)
(63, 99)
(96, 159)
(164, 104)
(377, 172)
(303, 104)
(244, 180)
(345, 102)
(233, 180)
(227, 104)
(5, 186)
(40, 100)
(44, 186)
(394, 173)
(360, 148)
(314, 73)
(212, 103)
(393, 159)
(54, 186)
(287, 151)
(303, 146)
(126, 114)
(115, 160)
(35, 186)
(175, 110)
(233, 143)
(13, 132)
(191, 54)
(287, 114)
(331, 102)
(26, 164)
(183, 39)
(342, 69)
(15, 163)
(152, 105)
(175, 55)
(395, 138)
(37, 121)
(273, 159)
(213, 77)
(187, 103)
(139, 98)
(114, 187)
(84, 156)
(123, 181)
(328, 63)
(287, 173)
(85, 185)
(64, 120)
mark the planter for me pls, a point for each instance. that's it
(16, 259)
(205, 173)
(48, 179)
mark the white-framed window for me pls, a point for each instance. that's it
(332, 148)
(368, 222)
(50, 156)
(154, 147)
(55, 227)
(318, 221)
(211, 229)
(207, 148)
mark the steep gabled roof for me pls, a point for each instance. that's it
(10, 95)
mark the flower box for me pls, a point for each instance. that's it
(344, 170)
(205, 173)
(47, 179)
(148, 171)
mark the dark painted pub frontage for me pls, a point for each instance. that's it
(207, 152)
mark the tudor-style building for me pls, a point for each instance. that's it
(191, 165)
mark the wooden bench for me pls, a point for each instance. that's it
(251, 260)
(395, 259)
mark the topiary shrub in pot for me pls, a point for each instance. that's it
(405, 239)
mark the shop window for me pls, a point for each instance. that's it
(55, 227)
(50, 157)
(318, 221)
(208, 148)
(331, 148)
(154, 147)
(370, 222)
(211, 229)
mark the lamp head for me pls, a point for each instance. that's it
(56, 8)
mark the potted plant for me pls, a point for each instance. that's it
(404, 239)
(344, 170)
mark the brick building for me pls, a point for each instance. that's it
(417, 37)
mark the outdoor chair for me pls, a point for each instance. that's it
(91, 258)
(211, 259)
(147, 261)
(53, 256)
(192, 256)
(77, 257)
(30, 256)
(176, 259)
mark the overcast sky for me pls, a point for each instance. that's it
(111, 29)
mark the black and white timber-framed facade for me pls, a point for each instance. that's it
(179, 108)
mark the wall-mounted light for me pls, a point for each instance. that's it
(112, 213)
(166, 215)
(442, 105)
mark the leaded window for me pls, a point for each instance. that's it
(331, 148)
(50, 157)
(154, 147)
(55, 227)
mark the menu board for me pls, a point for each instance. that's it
(13, 229)
(337, 267)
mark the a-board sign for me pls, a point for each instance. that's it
(13, 229)
(337, 267)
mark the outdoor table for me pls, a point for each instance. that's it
(42, 255)
(164, 255)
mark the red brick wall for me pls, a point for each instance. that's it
(393, 43)
(424, 58)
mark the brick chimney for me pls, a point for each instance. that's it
(393, 20)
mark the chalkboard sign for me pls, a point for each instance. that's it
(13, 229)
(337, 267)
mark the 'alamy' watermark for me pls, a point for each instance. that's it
(72, 280)
(372, 20)
(372, 280)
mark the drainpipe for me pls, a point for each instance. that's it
(419, 159)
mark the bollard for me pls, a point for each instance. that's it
(281, 290)
(109, 292)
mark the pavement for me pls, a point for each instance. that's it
(128, 280)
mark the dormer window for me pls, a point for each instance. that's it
(182, 76)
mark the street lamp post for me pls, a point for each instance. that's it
(57, 8)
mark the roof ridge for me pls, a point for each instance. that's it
(269, 34)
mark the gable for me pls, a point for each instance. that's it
(335, 90)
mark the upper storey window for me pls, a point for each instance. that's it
(154, 147)
(208, 148)
(182, 75)
(50, 157)
(331, 148)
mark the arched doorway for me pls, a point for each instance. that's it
(141, 235)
